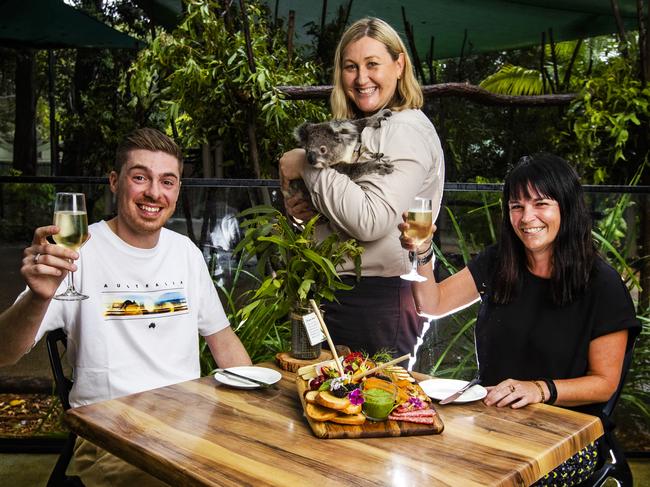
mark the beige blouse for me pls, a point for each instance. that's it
(370, 208)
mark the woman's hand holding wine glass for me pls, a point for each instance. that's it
(416, 229)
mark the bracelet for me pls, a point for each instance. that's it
(426, 259)
(428, 249)
(552, 391)
(541, 390)
(423, 258)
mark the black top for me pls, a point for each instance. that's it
(532, 338)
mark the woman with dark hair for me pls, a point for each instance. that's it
(554, 317)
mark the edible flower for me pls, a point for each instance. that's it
(337, 383)
(355, 397)
(415, 403)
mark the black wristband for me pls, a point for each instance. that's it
(428, 249)
(552, 391)
(424, 257)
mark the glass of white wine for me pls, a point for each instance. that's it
(420, 217)
(71, 218)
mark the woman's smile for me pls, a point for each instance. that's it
(536, 222)
(370, 74)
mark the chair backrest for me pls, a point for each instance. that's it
(63, 383)
(608, 409)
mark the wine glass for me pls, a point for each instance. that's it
(419, 219)
(71, 218)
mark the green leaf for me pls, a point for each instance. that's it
(514, 80)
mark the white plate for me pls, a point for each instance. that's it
(260, 373)
(441, 388)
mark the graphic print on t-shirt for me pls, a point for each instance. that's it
(158, 300)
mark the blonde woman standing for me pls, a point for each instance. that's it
(373, 71)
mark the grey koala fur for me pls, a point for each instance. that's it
(337, 144)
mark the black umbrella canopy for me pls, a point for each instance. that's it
(53, 24)
(490, 25)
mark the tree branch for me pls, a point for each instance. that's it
(644, 42)
(463, 90)
(621, 28)
(567, 74)
(247, 36)
(408, 30)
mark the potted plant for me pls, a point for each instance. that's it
(295, 268)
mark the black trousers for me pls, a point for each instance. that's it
(379, 313)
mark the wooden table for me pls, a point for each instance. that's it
(202, 433)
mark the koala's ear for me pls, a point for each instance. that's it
(302, 133)
(350, 127)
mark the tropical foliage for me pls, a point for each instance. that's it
(515, 80)
(215, 84)
(555, 75)
(291, 268)
(605, 131)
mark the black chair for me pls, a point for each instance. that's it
(56, 345)
(613, 463)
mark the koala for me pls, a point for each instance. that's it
(337, 144)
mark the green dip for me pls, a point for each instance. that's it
(378, 404)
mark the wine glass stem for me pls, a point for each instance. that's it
(414, 263)
(71, 281)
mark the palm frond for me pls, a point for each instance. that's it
(514, 80)
(564, 51)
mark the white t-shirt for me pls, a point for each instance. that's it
(139, 328)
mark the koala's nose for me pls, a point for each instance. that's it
(311, 158)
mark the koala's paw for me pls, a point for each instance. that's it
(380, 117)
(375, 156)
(385, 167)
(296, 187)
(384, 114)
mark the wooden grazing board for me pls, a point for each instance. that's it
(369, 429)
(286, 362)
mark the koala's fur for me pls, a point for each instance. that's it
(337, 144)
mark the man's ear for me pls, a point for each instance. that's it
(112, 179)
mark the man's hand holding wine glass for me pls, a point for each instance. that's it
(45, 264)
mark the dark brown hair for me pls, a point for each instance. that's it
(147, 139)
(573, 249)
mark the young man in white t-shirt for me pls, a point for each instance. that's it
(150, 296)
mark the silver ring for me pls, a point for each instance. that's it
(512, 388)
(36, 257)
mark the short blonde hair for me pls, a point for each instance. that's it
(147, 139)
(408, 93)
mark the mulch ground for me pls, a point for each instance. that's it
(31, 415)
